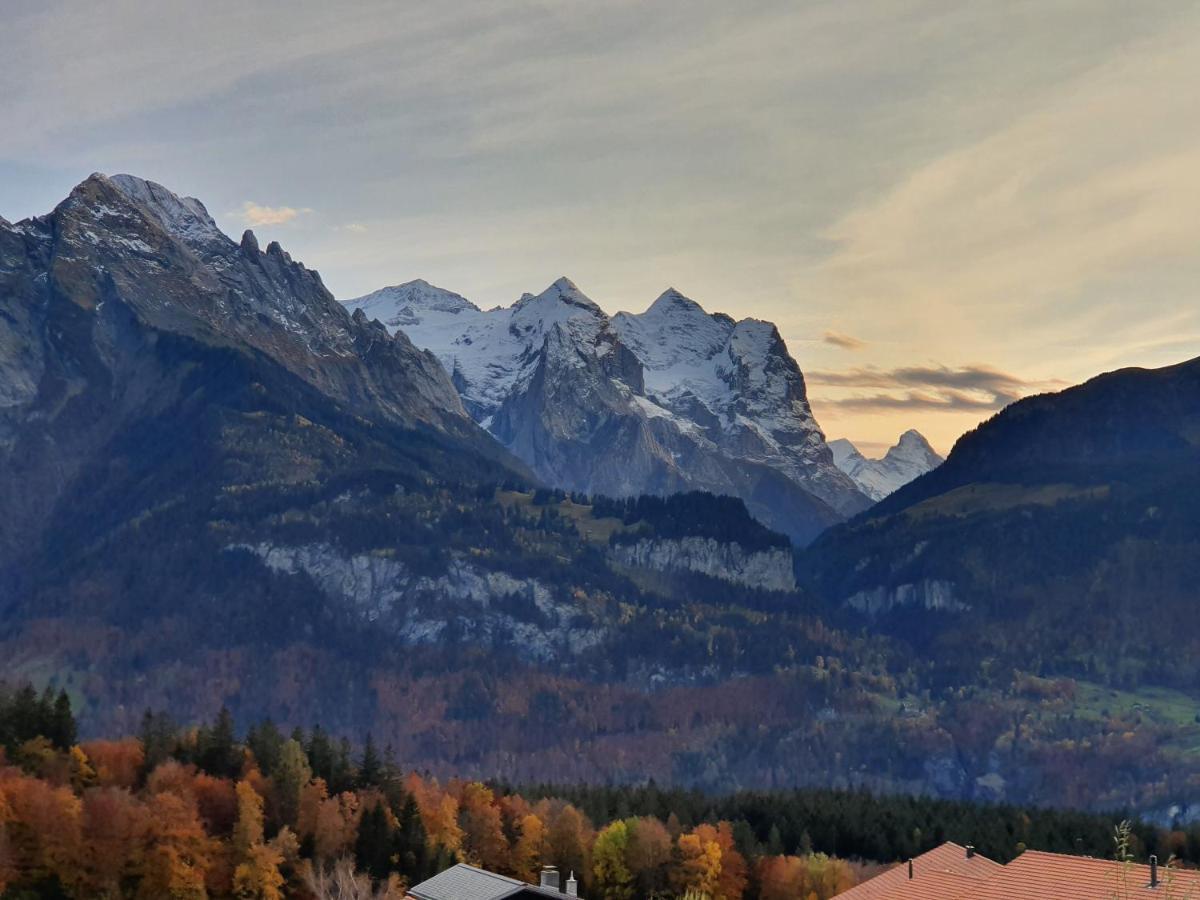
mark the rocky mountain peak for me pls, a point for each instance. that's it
(185, 218)
(670, 398)
(562, 292)
(911, 457)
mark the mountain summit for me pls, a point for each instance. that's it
(910, 458)
(670, 399)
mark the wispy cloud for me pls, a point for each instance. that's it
(976, 388)
(844, 341)
(353, 228)
(254, 214)
(1096, 182)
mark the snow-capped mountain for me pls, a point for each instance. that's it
(670, 399)
(910, 458)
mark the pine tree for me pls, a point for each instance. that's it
(217, 750)
(159, 738)
(370, 770)
(373, 845)
(266, 743)
(61, 730)
(411, 841)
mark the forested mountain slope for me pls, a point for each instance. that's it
(1064, 532)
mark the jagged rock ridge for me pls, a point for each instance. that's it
(667, 400)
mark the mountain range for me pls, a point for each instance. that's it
(670, 399)
(221, 486)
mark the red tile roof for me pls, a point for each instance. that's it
(1041, 876)
(944, 873)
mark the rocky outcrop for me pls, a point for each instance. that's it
(933, 594)
(769, 570)
(487, 608)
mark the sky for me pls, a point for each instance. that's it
(943, 205)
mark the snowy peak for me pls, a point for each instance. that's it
(913, 448)
(556, 303)
(672, 303)
(911, 457)
(411, 304)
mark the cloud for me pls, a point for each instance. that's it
(254, 214)
(353, 228)
(845, 341)
(975, 388)
(1095, 184)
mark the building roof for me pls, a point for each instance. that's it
(1035, 874)
(463, 882)
(944, 873)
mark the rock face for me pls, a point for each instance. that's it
(769, 570)
(109, 304)
(667, 400)
(911, 458)
(481, 607)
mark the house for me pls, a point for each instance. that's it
(463, 882)
(951, 872)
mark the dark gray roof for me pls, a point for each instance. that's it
(463, 882)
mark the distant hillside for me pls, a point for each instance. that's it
(1073, 519)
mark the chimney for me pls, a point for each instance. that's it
(572, 886)
(970, 851)
(910, 870)
(1153, 871)
(550, 878)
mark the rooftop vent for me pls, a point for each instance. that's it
(550, 878)
(1153, 871)
(910, 872)
(970, 851)
(572, 886)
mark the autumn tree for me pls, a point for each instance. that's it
(698, 865)
(528, 848)
(257, 876)
(648, 856)
(117, 763)
(569, 837)
(483, 834)
(248, 831)
(115, 825)
(178, 852)
(614, 880)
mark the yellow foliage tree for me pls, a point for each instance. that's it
(257, 877)
(610, 864)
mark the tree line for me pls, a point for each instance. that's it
(198, 812)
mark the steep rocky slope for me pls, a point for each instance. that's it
(667, 400)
